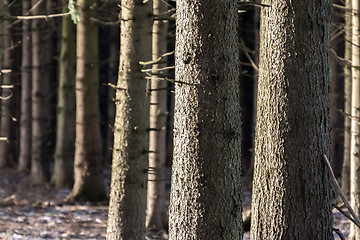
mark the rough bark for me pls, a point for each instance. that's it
(355, 120)
(65, 133)
(205, 199)
(291, 189)
(156, 215)
(127, 209)
(40, 158)
(25, 115)
(7, 148)
(345, 172)
(88, 185)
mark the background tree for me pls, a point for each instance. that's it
(291, 193)
(345, 172)
(156, 216)
(88, 183)
(40, 157)
(65, 132)
(337, 88)
(205, 200)
(25, 115)
(7, 126)
(127, 209)
(114, 39)
(355, 119)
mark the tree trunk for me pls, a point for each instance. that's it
(7, 148)
(40, 172)
(2, 12)
(127, 209)
(156, 214)
(291, 189)
(345, 173)
(25, 115)
(337, 91)
(355, 120)
(205, 200)
(113, 74)
(65, 133)
(89, 185)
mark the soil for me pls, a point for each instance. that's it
(32, 212)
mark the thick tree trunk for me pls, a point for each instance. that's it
(25, 115)
(127, 209)
(89, 185)
(205, 201)
(291, 190)
(65, 133)
(156, 215)
(40, 172)
(355, 120)
(7, 148)
(345, 173)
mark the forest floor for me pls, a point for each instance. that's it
(31, 212)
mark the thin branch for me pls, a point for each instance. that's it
(349, 115)
(7, 86)
(342, 7)
(341, 59)
(6, 98)
(339, 233)
(36, 16)
(168, 13)
(248, 56)
(340, 192)
(158, 69)
(344, 213)
(157, 60)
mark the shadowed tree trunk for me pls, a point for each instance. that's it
(88, 185)
(205, 200)
(291, 189)
(345, 173)
(113, 74)
(337, 91)
(127, 209)
(156, 215)
(40, 172)
(25, 115)
(65, 133)
(7, 148)
(355, 120)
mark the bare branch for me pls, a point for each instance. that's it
(340, 192)
(248, 56)
(157, 70)
(36, 16)
(7, 97)
(342, 7)
(157, 60)
(343, 213)
(7, 86)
